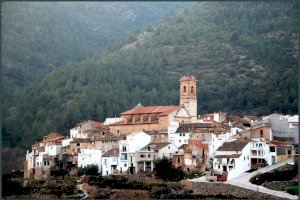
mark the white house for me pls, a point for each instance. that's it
(217, 140)
(90, 157)
(30, 158)
(260, 152)
(110, 161)
(74, 132)
(40, 159)
(132, 143)
(178, 136)
(233, 158)
(53, 149)
(66, 142)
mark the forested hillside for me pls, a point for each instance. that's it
(243, 54)
(41, 36)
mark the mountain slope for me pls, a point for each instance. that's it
(41, 36)
(243, 55)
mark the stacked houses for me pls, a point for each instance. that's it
(225, 146)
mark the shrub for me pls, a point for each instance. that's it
(292, 189)
(59, 172)
(164, 169)
(157, 191)
(276, 175)
(88, 170)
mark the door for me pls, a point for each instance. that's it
(273, 160)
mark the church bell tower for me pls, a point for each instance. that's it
(188, 95)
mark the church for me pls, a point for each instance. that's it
(149, 118)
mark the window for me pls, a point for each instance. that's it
(180, 135)
(272, 149)
(124, 149)
(149, 149)
(168, 147)
(78, 144)
(149, 155)
(184, 89)
(192, 89)
(185, 141)
(130, 158)
(106, 172)
(183, 134)
(142, 156)
(48, 162)
(125, 165)
(261, 133)
(178, 160)
(179, 141)
(123, 156)
(37, 164)
(118, 131)
(244, 158)
(105, 162)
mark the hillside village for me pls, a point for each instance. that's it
(218, 146)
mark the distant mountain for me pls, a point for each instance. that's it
(244, 55)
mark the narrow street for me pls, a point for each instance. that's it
(243, 181)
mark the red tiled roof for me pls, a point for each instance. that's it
(111, 153)
(194, 143)
(228, 156)
(53, 136)
(236, 145)
(280, 143)
(161, 110)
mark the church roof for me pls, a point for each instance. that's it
(161, 110)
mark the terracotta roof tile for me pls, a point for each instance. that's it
(213, 127)
(228, 156)
(161, 110)
(81, 140)
(280, 143)
(111, 153)
(53, 136)
(236, 145)
(193, 143)
(155, 146)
